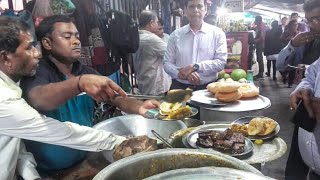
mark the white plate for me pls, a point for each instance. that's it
(248, 104)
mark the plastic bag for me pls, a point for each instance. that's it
(64, 7)
(41, 10)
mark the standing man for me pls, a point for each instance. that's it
(197, 51)
(284, 22)
(18, 120)
(148, 60)
(259, 42)
(55, 88)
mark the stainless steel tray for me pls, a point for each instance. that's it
(268, 151)
(248, 104)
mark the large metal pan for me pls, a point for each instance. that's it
(147, 164)
(136, 125)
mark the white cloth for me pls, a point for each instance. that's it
(148, 65)
(206, 47)
(19, 121)
(165, 37)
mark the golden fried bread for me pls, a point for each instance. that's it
(212, 87)
(227, 86)
(255, 126)
(240, 128)
(269, 125)
(228, 97)
(249, 90)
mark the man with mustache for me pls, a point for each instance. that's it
(18, 120)
(55, 88)
(304, 155)
(197, 51)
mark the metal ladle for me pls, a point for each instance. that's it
(161, 138)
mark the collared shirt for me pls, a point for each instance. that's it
(206, 47)
(148, 65)
(19, 120)
(78, 109)
(309, 142)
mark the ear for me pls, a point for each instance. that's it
(46, 43)
(5, 58)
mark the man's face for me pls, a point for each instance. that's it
(160, 31)
(195, 11)
(65, 42)
(295, 17)
(154, 25)
(24, 62)
(284, 21)
(313, 19)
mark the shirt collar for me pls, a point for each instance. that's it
(10, 83)
(205, 28)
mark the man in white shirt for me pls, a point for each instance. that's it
(150, 74)
(18, 120)
(196, 52)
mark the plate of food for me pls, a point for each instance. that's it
(228, 142)
(256, 127)
(172, 111)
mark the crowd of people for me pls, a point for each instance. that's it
(49, 103)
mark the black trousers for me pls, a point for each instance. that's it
(259, 51)
(274, 68)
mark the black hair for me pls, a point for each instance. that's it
(186, 2)
(309, 5)
(294, 14)
(146, 16)
(160, 22)
(10, 29)
(45, 27)
(274, 24)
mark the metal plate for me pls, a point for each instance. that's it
(247, 119)
(192, 139)
(216, 173)
(248, 104)
(158, 116)
(270, 149)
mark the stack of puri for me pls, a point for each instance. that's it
(230, 91)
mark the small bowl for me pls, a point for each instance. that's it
(191, 122)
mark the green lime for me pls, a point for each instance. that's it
(258, 141)
(237, 74)
(221, 74)
(226, 76)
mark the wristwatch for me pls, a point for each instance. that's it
(195, 67)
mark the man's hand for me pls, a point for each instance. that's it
(100, 88)
(149, 104)
(185, 71)
(194, 78)
(303, 38)
(305, 95)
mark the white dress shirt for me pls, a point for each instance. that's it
(206, 47)
(19, 121)
(309, 142)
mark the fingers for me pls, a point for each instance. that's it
(116, 88)
(194, 78)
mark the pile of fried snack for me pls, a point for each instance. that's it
(229, 90)
(174, 110)
(260, 126)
